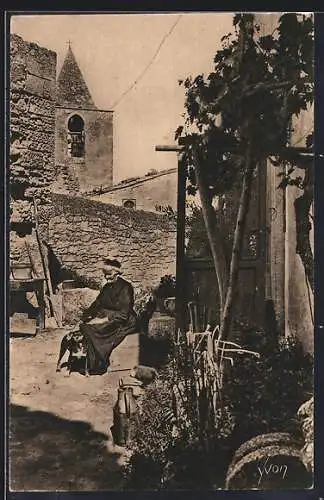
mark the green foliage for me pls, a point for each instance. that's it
(258, 84)
(152, 437)
(238, 117)
(141, 297)
(265, 394)
(198, 244)
(197, 240)
(168, 211)
(168, 451)
(166, 287)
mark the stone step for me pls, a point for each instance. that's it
(20, 324)
(126, 355)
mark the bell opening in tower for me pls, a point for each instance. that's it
(76, 137)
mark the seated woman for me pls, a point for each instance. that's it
(109, 319)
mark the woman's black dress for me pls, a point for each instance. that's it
(108, 320)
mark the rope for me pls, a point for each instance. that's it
(149, 63)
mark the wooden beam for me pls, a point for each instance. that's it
(168, 147)
(302, 151)
(181, 217)
(300, 154)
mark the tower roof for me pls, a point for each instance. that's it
(72, 89)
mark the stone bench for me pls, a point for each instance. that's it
(127, 354)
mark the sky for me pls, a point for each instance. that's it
(113, 50)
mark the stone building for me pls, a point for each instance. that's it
(83, 134)
(152, 192)
(286, 283)
(75, 232)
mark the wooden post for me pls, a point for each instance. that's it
(181, 214)
(45, 269)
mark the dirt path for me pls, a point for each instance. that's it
(60, 426)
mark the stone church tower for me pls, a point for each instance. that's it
(83, 134)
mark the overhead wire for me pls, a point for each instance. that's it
(147, 67)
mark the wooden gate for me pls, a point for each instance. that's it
(199, 278)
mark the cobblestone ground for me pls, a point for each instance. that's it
(59, 435)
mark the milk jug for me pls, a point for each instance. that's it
(120, 418)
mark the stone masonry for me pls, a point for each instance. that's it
(147, 193)
(95, 166)
(32, 123)
(81, 232)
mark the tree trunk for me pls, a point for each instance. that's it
(227, 316)
(213, 234)
(302, 206)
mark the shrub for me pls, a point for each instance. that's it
(182, 450)
(166, 287)
(265, 394)
(152, 437)
(169, 449)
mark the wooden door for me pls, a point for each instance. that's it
(199, 274)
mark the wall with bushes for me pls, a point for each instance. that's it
(82, 232)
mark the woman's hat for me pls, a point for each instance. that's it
(112, 264)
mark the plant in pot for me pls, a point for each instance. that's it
(164, 294)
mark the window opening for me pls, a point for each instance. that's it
(76, 136)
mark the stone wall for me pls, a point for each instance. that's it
(32, 123)
(147, 192)
(81, 232)
(96, 167)
(288, 286)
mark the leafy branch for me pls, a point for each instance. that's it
(237, 118)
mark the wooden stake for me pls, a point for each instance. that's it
(31, 259)
(46, 270)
